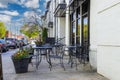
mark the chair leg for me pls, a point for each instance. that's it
(62, 63)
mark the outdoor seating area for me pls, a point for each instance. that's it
(57, 54)
(49, 61)
(43, 72)
(52, 51)
(59, 39)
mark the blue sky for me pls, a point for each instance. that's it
(12, 12)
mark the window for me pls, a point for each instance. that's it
(78, 28)
(80, 23)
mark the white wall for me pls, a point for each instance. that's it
(107, 21)
(50, 34)
(109, 62)
(61, 28)
(50, 18)
(93, 34)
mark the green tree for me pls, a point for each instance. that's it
(85, 30)
(2, 30)
(30, 30)
(44, 34)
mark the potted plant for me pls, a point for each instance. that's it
(21, 60)
(38, 43)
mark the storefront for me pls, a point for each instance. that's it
(79, 24)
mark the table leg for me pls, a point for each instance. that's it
(38, 58)
(48, 58)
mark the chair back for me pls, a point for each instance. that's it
(50, 40)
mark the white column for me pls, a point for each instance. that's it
(67, 29)
(59, 26)
(53, 18)
(56, 28)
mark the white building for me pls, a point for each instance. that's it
(95, 25)
(48, 18)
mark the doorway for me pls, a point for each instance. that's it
(79, 29)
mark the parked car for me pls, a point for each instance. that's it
(25, 42)
(14, 40)
(3, 45)
(11, 44)
(32, 43)
(17, 42)
(21, 43)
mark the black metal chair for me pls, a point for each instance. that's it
(31, 54)
(85, 55)
(74, 54)
(58, 53)
(57, 49)
(50, 40)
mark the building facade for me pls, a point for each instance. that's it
(48, 18)
(94, 25)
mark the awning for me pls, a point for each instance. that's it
(60, 10)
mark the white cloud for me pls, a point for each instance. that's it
(4, 3)
(12, 13)
(5, 18)
(45, 3)
(2, 6)
(31, 16)
(32, 3)
(22, 1)
(27, 3)
(47, 0)
(38, 10)
(28, 13)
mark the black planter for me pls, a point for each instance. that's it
(21, 65)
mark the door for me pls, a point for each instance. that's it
(85, 30)
(85, 37)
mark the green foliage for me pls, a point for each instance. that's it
(85, 30)
(44, 34)
(38, 42)
(30, 30)
(21, 54)
(30, 49)
(2, 30)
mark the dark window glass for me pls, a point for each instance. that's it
(78, 12)
(73, 32)
(78, 32)
(74, 16)
(85, 30)
(85, 7)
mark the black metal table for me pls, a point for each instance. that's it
(43, 50)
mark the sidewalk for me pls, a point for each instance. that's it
(43, 73)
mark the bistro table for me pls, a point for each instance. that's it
(43, 50)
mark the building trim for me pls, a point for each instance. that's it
(109, 45)
(109, 7)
